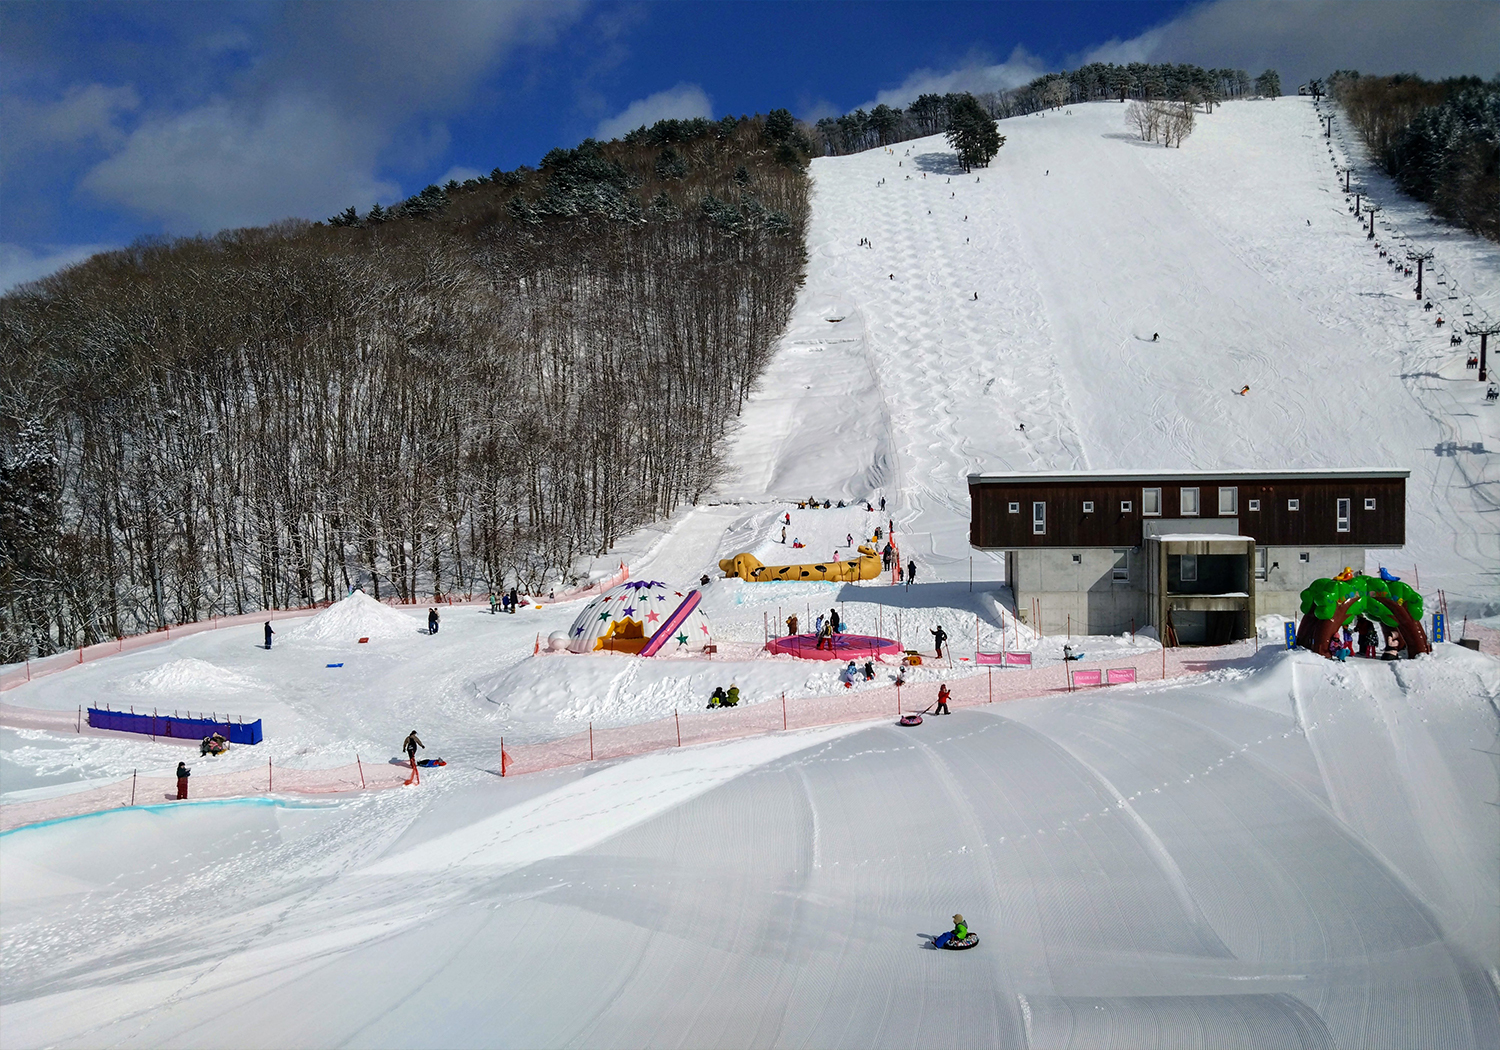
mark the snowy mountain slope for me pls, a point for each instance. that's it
(1081, 242)
(1170, 866)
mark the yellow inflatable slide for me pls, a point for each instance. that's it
(748, 567)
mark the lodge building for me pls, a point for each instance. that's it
(1203, 551)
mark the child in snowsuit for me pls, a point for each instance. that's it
(791, 624)
(718, 697)
(269, 632)
(183, 772)
(942, 703)
(960, 928)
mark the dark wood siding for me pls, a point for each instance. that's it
(1314, 524)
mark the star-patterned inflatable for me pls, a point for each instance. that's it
(624, 619)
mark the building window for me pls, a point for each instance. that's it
(1229, 500)
(1088, 506)
(1304, 557)
(1126, 506)
(1039, 519)
(1369, 504)
(1151, 502)
(1078, 559)
(1189, 571)
(1262, 561)
(1294, 504)
(1343, 515)
(1122, 565)
(1015, 508)
(1189, 503)
(1253, 504)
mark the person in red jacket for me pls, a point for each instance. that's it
(942, 704)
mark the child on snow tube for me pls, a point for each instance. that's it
(960, 928)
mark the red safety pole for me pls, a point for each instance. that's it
(591, 741)
(268, 774)
(1164, 661)
(678, 723)
(502, 756)
(783, 694)
(132, 786)
(991, 673)
(361, 766)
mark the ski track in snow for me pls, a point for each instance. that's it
(1292, 853)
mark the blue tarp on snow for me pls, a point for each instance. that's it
(173, 726)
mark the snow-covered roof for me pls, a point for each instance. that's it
(1192, 475)
(1200, 537)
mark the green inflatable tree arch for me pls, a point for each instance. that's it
(1328, 604)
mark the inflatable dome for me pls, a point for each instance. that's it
(644, 617)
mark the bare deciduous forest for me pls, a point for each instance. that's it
(465, 390)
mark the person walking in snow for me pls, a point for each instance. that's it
(513, 597)
(183, 772)
(783, 534)
(939, 636)
(269, 633)
(410, 745)
(942, 700)
(911, 573)
(882, 504)
(432, 621)
(849, 539)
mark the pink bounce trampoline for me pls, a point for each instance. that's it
(845, 647)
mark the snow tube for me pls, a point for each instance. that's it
(430, 762)
(947, 943)
(909, 720)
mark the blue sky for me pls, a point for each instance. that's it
(121, 120)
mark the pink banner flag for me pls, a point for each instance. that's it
(1086, 677)
(989, 658)
(1017, 659)
(1121, 675)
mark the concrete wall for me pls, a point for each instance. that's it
(1086, 591)
(1281, 591)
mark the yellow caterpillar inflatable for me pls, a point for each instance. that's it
(748, 567)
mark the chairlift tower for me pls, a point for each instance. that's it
(1420, 257)
(1484, 331)
(1372, 209)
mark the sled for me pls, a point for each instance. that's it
(430, 762)
(909, 720)
(946, 942)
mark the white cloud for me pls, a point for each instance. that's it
(1307, 39)
(20, 264)
(335, 93)
(87, 114)
(682, 102)
(218, 166)
(1020, 68)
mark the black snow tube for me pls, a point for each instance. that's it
(947, 943)
(909, 720)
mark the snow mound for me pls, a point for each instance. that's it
(357, 616)
(189, 676)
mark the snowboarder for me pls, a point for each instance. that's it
(183, 772)
(410, 745)
(269, 632)
(939, 636)
(942, 700)
(432, 621)
(911, 573)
